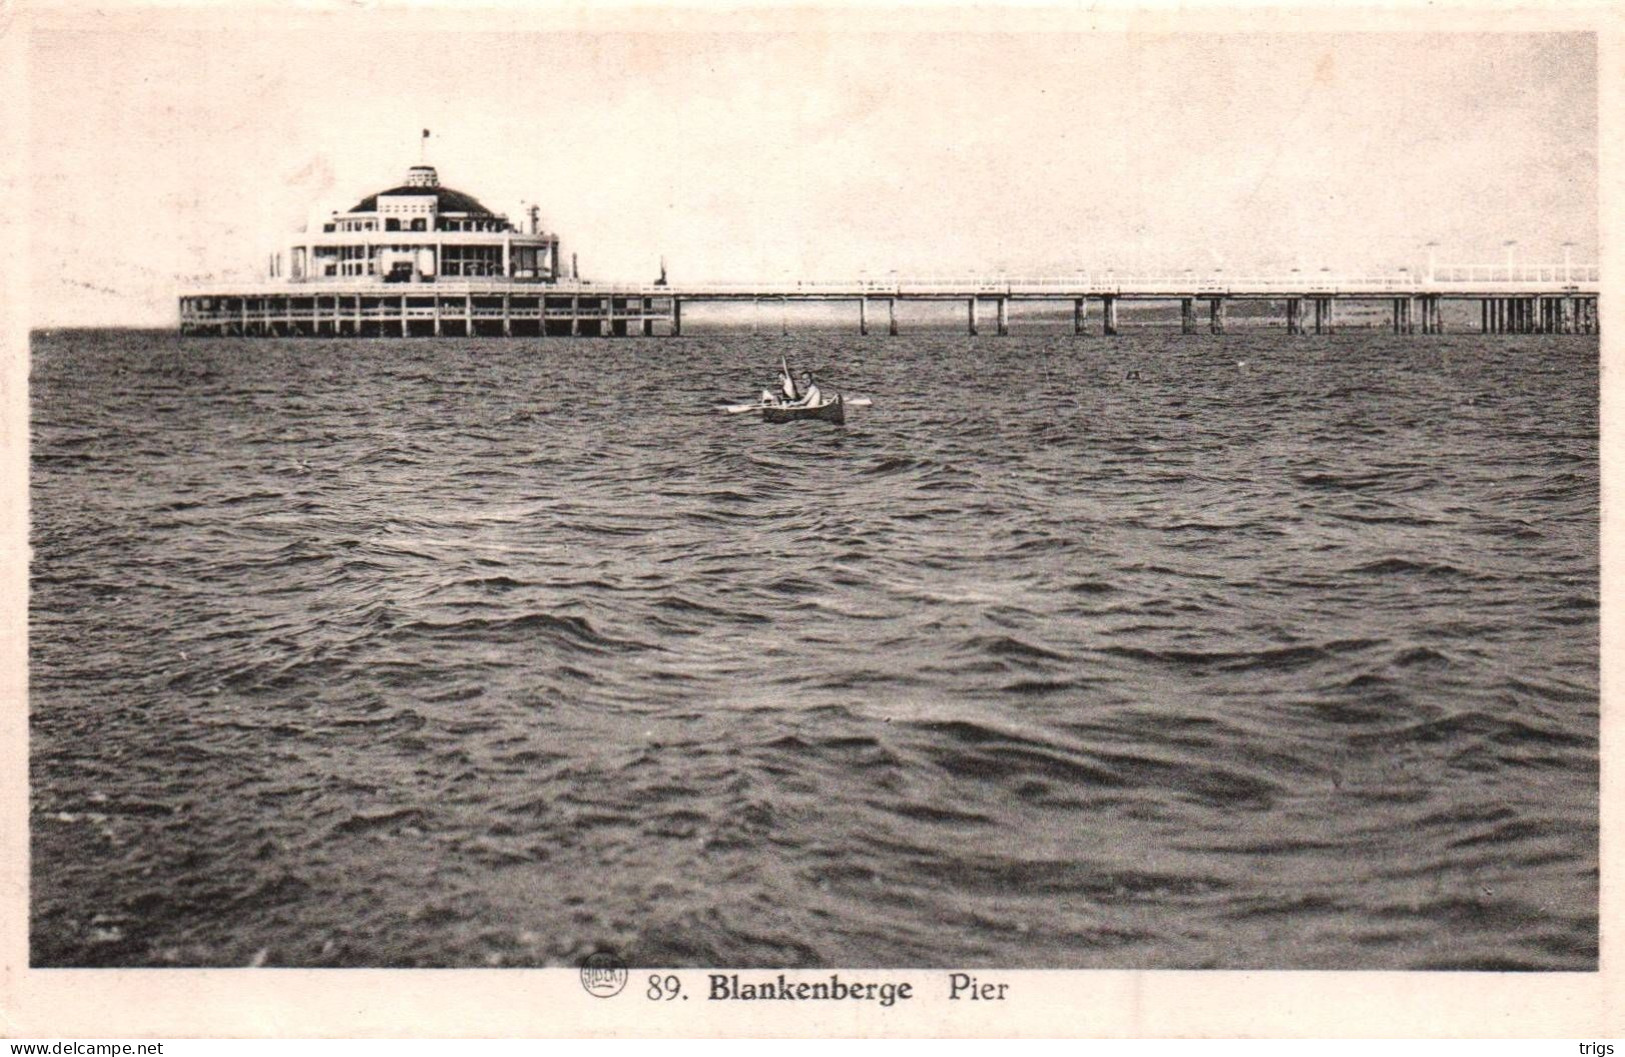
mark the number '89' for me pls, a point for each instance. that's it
(664, 988)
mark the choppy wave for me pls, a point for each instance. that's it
(499, 653)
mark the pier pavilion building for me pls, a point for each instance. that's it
(421, 232)
(420, 259)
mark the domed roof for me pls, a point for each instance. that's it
(446, 200)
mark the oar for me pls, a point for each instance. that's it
(795, 390)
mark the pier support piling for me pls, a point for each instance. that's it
(1540, 305)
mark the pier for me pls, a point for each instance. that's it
(1559, 299)
(424, 260)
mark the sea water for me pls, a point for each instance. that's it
(1162, 652)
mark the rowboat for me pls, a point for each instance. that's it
(792, 412)
(829, 411)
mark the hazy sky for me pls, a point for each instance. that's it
(167, 147)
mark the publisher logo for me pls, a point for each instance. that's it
(603, 974)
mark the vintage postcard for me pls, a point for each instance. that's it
(826, 520)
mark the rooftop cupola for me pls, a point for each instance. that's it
(422, 176)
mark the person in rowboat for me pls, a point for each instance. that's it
(787, 385)
(810, 397)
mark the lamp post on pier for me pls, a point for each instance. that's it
(1325, 317)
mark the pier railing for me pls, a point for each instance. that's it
(1489, 280)
(1441, 280)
